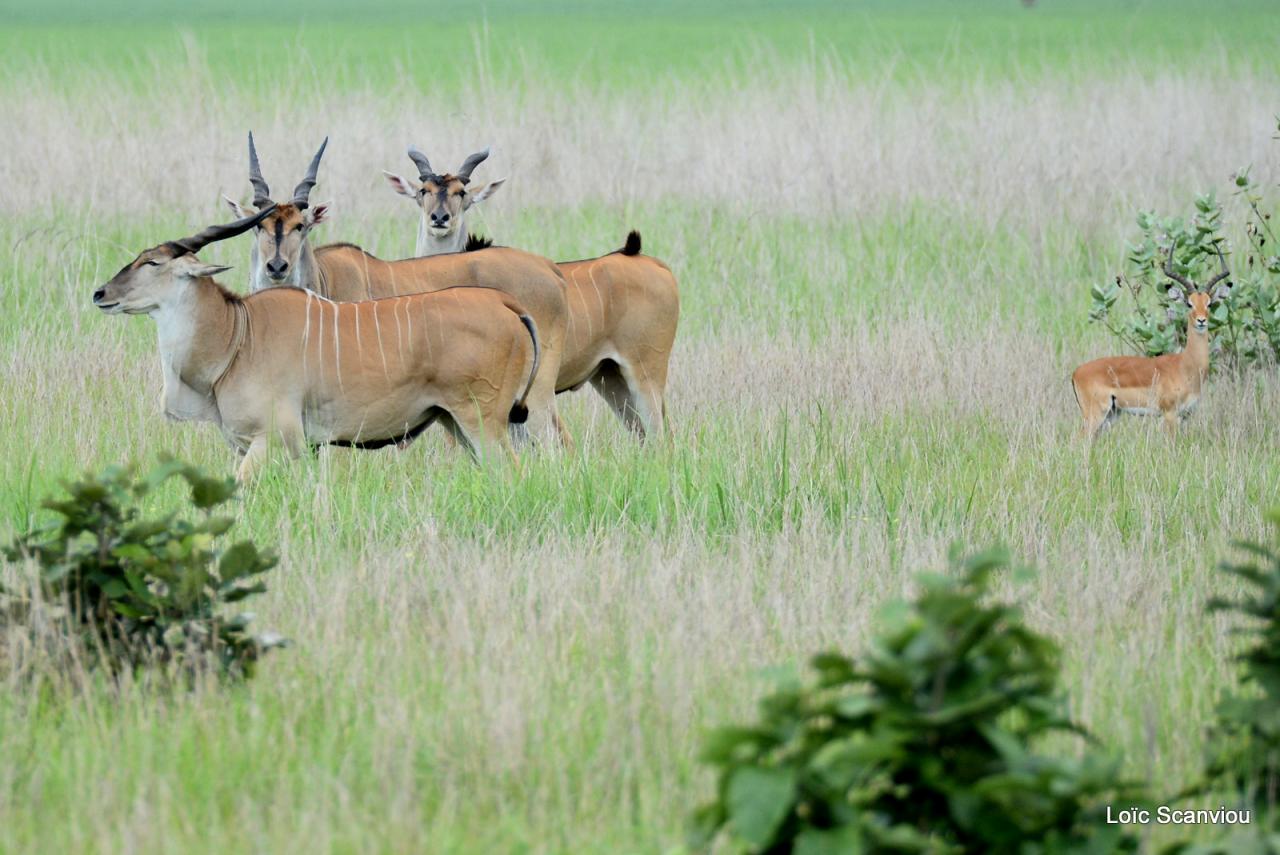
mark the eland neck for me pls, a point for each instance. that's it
(305, 274)
(198, 334)
(429, 244)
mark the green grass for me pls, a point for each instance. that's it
(868, 369)
(630, 45)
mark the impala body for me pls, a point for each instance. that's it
(287, 364)
(1167, 386)
(343, 272)
(624, 307)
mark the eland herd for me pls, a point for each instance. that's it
(334, 346)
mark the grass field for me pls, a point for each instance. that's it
(885, 220)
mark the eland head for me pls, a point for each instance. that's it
(443, 200)
(280, 238)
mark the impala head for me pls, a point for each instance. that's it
(443, 198)
(160, 274)
(280, 237)
(1198, 300)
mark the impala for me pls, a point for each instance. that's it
(344, 272)
(443, 200)
(286, 364)
(1167, 385)
(623, 307)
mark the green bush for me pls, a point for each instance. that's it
(1243, 757)
(1135, 307)
(135, 591)
(1245, 743)
(926, 743)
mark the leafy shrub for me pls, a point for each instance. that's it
(1245, 745)
(925, 743)
(138, 591)
(1246, 325)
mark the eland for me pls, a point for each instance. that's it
(287, 364)
(623, 307)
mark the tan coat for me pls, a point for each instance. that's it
(286, 363)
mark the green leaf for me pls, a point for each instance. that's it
(840, 841)
(208, 492)
(115, 588)
(240, 592)
(758, 801)
(243, 559)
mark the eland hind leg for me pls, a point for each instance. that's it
(634, 396)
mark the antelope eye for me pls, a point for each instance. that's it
(298, 227)
(150, 263)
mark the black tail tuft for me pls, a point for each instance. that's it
(632, 246)
(519, 414)
(475, 242)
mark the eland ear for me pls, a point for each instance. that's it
(190, 267)
(484, 192)
(403, 186)
(236, 208)
(318, 214)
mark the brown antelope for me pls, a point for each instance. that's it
(443, 201)
(1166, 385)
(287, 364)
(623, 307)
(344, 272)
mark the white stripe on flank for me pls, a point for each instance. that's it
(306, 338)
(395, 310)
(337, 348)
(381, 352)
(591, 272)
(408, 317)
(355, 308)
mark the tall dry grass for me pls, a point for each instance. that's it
(883, 297)
(786, 139)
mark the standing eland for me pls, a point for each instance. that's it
(624, 307)
(289, 365)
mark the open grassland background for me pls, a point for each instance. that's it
(884, 221)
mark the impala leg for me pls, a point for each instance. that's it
(1098, 412)
(1171, 423)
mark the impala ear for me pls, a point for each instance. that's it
(318, 214)
(1176, 294)
(1220, 293)
(236, 208)
(484, 192)
(403, 186)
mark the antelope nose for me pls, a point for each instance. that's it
(277, 267)
(99, 294)
(440, 218)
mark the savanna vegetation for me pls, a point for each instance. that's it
(888, 223)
